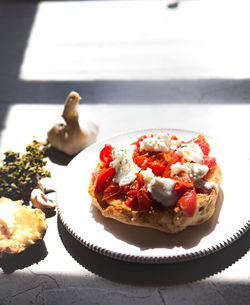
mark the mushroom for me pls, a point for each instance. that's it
(39, 200)
(72, 133)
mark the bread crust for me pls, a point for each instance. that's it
(29, 226)
(170, 220)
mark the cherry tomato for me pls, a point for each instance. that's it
(104, 178)
(158, 163)
(111, 191)
(140, 180)
(140, 160)
(183, 183)
(130, 201)
(172, 158)
(187, 202)
(209, 161)
(137, 143)
(133, 194)
(131, 189)
(144, 202)
(106, 154)
(201, 141)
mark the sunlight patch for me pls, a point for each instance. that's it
(137, 40)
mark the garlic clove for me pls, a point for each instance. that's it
(73, 133)
(39, 200)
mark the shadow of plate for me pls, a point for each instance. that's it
(153, 274)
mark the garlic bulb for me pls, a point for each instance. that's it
(72, 133)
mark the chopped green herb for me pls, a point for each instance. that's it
(20, 174)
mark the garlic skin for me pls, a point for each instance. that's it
(71, 133)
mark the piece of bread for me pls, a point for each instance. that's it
(170, 220)
(20, 226)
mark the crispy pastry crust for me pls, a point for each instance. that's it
(28, 227)
(170, 220)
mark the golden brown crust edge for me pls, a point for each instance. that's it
(166, 220)
(30, 229)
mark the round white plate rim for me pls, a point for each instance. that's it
(141, 257)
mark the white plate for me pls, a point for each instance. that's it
(112, 238)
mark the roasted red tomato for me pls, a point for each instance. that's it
(187, 202)
(137, 143)
(171, 158)
(158, 163)
(104, 178)
(111, 191)
(209, 161)
(140, 160)
(201, 141)
(106, 154)
(144, 202)
(136, 194)
(183, 183)
(131, 190)
(130, 201)
(133, 187)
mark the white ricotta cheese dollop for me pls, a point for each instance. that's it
(125, 168)
(177, 168)
(162, 189)
(190, 152)
(175, 144)
(160, 142)
(196, 170)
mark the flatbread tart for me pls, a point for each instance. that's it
(158, 181)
